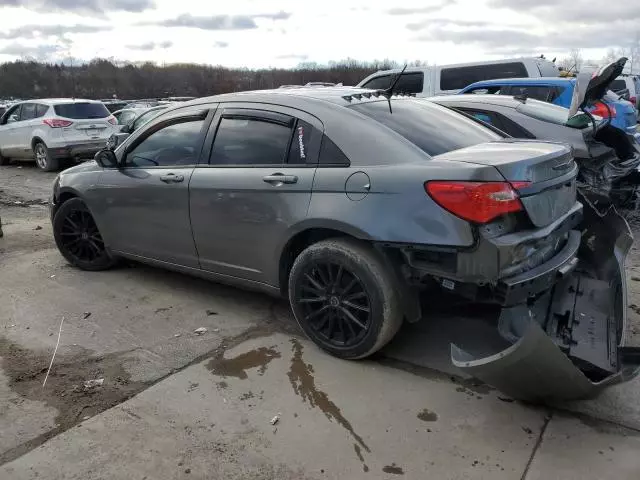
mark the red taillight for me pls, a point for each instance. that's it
(112, 120)
(478, 202)
(601, 110)
(57, 123)
(633, 100)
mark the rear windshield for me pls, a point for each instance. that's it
(81, 110)
(432, 128)
(618, 85)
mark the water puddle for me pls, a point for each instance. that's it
(237, 366)
(304, 384)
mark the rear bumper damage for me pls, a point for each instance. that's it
(568, 343)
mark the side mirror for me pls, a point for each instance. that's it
(106, 158)
(12, 118)
(115, 140)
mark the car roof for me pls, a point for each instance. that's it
(58, 101)
(290, 96)
(517, 81)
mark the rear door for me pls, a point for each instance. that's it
(144, 204)
(23, 130)
(256, 185)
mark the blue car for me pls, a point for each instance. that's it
(559, 91)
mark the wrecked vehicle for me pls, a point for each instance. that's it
(350, 203)
(608, 158)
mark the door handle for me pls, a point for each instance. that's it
(279, 178)
(172, 178)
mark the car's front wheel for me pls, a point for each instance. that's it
(345, 298)
(44, 160)
(78, 238)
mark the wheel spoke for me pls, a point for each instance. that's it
(322, 276)
(355, 296)
(312, 300)
(336, 281)
(351, 329)
(350, 316)
(70, 234)
(316, 313)
(357, 307)
(314, 282)
(351, 284)
(332, 327)
(74, 225)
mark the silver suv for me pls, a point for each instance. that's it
(48, 130)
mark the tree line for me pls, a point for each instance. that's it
(103, 78)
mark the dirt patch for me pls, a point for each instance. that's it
(65, 389)
(428, 416)
(304, 384)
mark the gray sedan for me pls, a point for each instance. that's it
(351, 203)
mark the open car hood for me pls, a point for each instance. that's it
(593, 85)
(569, 343)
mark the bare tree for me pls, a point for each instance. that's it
(576, 59)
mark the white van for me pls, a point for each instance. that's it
(449, 79)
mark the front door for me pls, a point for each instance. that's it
(8, 132)
(147, 213)
(256, 186)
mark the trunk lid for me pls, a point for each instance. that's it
(592, 85)
(549, 169)
(90, 121)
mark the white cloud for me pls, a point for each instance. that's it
(251, 33)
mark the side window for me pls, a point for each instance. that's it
(126, 117)
(456, 78)
(531, 91)
(144, 118)
(41, 110)
(410, 83)
(330, 154)
(250, 141)
(304, 138)
(28, 112)
(379, 83)
(555, 93)
(12, 115)
(176, 144)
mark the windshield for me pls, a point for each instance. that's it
(432, 128)
(81, 110)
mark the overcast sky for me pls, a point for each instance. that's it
(262, 33)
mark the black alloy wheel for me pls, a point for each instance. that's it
(345, 297)
(78, 238)
(335, 303)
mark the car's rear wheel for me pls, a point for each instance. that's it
(3, 160)
(44, 160)
(344, 297)
(78, 238)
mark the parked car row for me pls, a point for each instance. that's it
(365, 201)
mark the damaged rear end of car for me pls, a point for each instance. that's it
(559, 278)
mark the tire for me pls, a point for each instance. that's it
(321, 278)
(78, 238)
(4, 160)
(44, 161)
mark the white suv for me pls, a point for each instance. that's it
(48, 130)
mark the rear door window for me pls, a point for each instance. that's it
(432, 128)
(80, 110)
(252, 140)
(28, 112)
(303, 148)
(456, 78)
